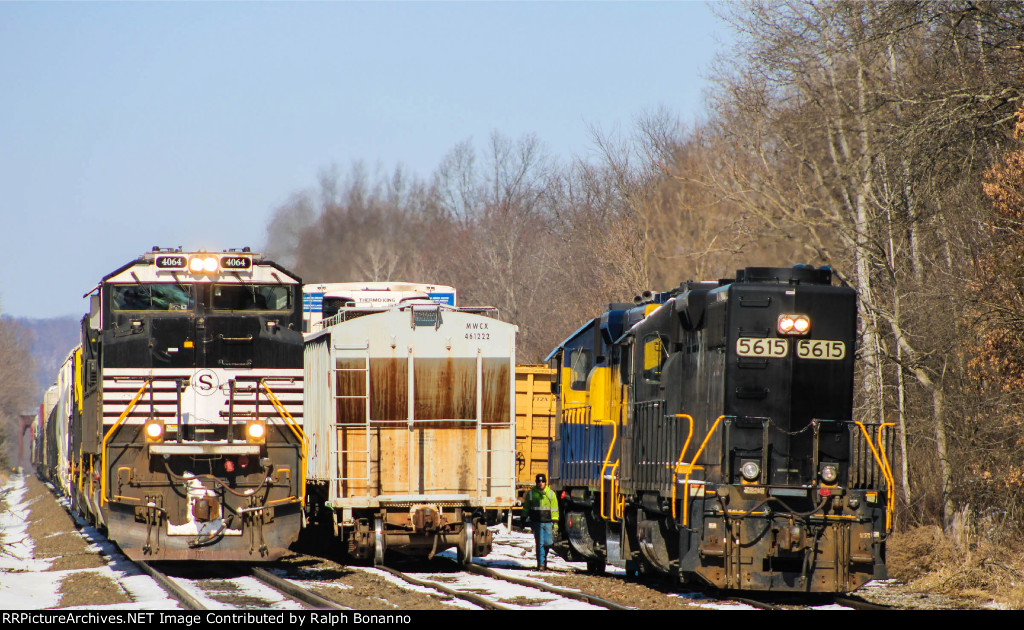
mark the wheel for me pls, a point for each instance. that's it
(464, 552)
(378, 542)
(595, 567)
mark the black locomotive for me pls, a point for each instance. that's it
(177, 423)
(708, 433)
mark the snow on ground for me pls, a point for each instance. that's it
(25, 582)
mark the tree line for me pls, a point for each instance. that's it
(884, 139)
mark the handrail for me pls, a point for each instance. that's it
(110, 434)
(299, 433)
(884, 467)
(604, 467)
(688, 468)
(679, 460)
(890, 495)
(614, 492)
(579, 415)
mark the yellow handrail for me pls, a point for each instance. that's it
(679, 460)
(890, 496)
(614, 492)
(299, 433)
(604, 467)
(110, 434)
(883, 467)
(81, 472)
(688, 468)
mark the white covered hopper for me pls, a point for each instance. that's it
(410, 418)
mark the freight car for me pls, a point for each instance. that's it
(182, 432)
(409, 411)
(707, 433)
(50, 438)
(535, 423)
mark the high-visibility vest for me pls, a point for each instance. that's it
(541, 507)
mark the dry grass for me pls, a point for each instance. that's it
(970, 562)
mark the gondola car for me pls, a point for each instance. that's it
(184, 432)
(409, 411)
(707, 433)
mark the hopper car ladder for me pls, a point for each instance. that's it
(485, 457)
(336, 452)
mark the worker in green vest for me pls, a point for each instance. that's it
(540, 509)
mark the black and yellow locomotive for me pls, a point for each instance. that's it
(708, 433)
(184, 432)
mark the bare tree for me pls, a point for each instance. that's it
(17, 387)
(855, 126)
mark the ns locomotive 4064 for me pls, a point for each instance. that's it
(183, 424)
(708, 433)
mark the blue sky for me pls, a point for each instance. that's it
(129, 125)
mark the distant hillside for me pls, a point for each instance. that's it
(52, 339)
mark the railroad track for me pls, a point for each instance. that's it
(852, 601)
(492, 590)
(791, 603)
(233, 588)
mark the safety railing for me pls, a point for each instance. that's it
(881, 460)
(299, 434)
(687, 468)
(110, 434)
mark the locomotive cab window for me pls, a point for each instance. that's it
(251, 297)
(580, 363)
(654, 357)
(150, 297)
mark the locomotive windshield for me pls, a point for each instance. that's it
(580, 363)
(150, 297)
(251, 297)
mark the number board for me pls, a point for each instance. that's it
(236, 263)
(821, 349)
(171, 262)
(762, 347)
(765, 348)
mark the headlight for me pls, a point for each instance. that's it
(154, 430)
(750, 471)
(829, 473)
(255, 432)
(792, 324)
(203, 264)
